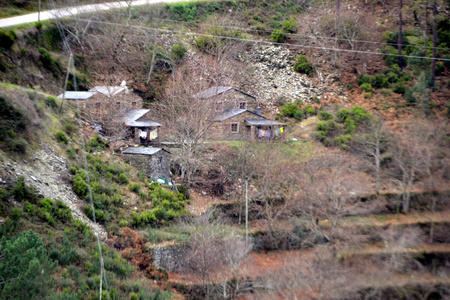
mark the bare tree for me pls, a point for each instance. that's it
(412, 155)
(400, 34)
(373, 142)
(188, 117)
(214, 254)
(330, 184)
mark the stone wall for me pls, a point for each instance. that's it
(169, 257)
(153, 166)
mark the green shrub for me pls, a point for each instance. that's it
(289, 25)
(61, 137)
(322, 129)
(50, 63)
(366, 87)
(50, 101)
(135, 187)
(400, 87)
(310, 110)
(342, 115)
(178, 51)
(7, 38)
(277, 36)
(303, 65)
(325, 116)
(123, 223)
(24, 192)
(343, 140)
(289, 110)
(298, 115)
(80, 186)
(97, 143)
(16, 214)
(360, 114)
(69, 128)
(350, 125)
(123, 178)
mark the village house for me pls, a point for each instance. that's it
(226, 98)
(237, 117)
(154, 162)
(103, 104)
(141, 128)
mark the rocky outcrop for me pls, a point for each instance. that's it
(274, 77)
(48, 172)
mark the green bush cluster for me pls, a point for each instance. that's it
(167, 206)
(7, 38)
(289, 25)
(219, 38)
(303, 65)
(294, 110)
(339, 132)
(21, 191)
(393, 77)
(97, 143)
(61, 137)
(49, 210)
(178, 51)
(13, 125)
(50, 63)
(277, 36)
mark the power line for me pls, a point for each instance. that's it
(261, 41)
(256, 30)
(71, 67)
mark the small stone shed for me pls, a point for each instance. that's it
(245, 125)
(141, 128)
(154, 162)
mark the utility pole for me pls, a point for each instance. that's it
(246, 211)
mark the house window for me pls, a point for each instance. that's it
(117, 105)
(97, 106)
(243, 105)
(219, 106)
(133, 104)
(234, 127)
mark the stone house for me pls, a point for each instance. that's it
(140, 126)
(104, 104)
(154, 162)
(236, 116)
(226, 98)
(245, 125)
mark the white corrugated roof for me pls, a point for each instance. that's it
(71, 95)
(132, 118)
(142, 150)
(109, 90)
(263, 122)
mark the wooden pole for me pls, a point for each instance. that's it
(246, 211)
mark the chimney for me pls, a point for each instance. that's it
(259, 111)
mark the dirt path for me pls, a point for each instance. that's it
(46, 172)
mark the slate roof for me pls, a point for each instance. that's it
(132, 118)
(71, 95)
(108, 90)
(263, 122)
(234, 112)
(217, 90)
(142, 150)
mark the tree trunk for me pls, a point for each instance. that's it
(400, 35)
(433, 61)
(377, 164)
